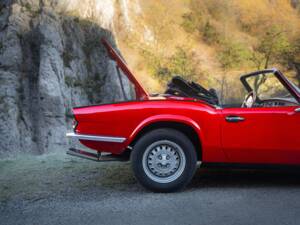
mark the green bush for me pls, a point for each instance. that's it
(210, 34)
(274, 46)
(233, 54)
(154, 62)
(180, 63)
(191, 22)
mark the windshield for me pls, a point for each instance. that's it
(267, 86)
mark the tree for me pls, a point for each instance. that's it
(274, 47)
(180, 63)
(294, 59)
(232, 54)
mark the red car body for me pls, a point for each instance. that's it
(256, 135)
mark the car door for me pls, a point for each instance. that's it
(262, 135)
(267, 131)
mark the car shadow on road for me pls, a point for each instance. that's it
(237, 178)
(209, 178)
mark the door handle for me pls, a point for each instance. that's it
(234, 119)
(297, 110)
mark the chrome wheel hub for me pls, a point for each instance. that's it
(164, 161)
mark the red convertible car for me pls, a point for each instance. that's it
(165, 135)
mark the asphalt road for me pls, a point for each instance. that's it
(215, 196)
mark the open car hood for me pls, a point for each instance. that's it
(140, 92)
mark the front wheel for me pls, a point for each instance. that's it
(164, 160)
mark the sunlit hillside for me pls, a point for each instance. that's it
(209, 41)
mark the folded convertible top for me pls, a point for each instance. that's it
(180, 87)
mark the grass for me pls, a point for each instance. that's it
(37, 177)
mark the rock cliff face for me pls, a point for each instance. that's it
(51, 59)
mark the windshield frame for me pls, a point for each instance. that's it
(297, 88)
(291, 87)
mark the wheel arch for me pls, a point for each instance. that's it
(185, 125)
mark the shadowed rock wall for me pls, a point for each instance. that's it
(50, 61)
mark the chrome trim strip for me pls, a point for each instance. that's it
(96, 138)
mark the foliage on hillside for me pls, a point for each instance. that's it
(228, 25)
(211, 38)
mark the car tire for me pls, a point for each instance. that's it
(164, 160)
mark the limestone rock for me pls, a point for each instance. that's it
(50, 61)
